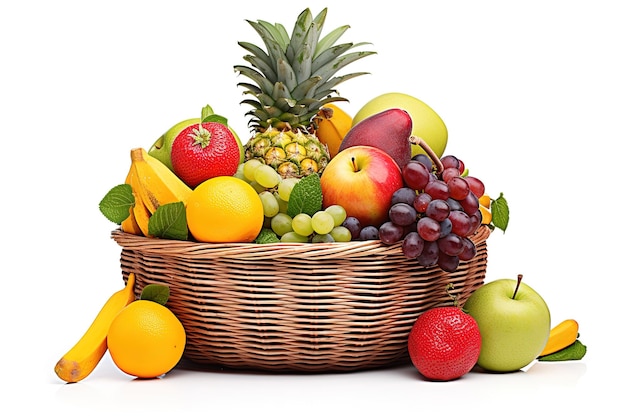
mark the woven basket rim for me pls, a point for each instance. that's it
(356, 248)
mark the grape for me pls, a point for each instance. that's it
(461, 167)
(469, 250)
(448, 263)
(249, 167)
(271, 206)
(476, 185)
(302, 224)
(415, 175)
(390, 232)
(449, 173)
(257, 187)
(461, 224)
(412, 245)
(454, 204)
(282, 204)
(322, 222)
(239, 173)
(338, 213)
(437, 189)
(470, 204)
(266, 176)
(369, 233)
(403, 195)
(294, 237)
(451, 245)
(353, 225)
(281, 224)
(429, 255)
(421, 202)
(438, 210)
(475, 222)
(428, 229)
(285, 187)
(459, 188)
(322, 238)
(450, 161)
(424, 159)
(402, 214)
(341, 234)
(446, 227)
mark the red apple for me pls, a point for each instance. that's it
(362, 180)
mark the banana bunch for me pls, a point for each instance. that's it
(154, 185)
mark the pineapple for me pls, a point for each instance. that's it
(291, 82)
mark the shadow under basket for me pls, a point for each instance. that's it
(303, 307)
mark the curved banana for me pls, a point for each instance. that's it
(130, 224)
(82, 359)
(155, 183)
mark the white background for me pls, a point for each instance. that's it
(532, 93)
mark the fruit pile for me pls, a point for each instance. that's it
(381, 181)
(310, 173)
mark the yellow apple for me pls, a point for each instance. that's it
(426, 123)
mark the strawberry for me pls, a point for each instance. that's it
(203, 151)
(444, 343)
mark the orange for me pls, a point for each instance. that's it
(146, 339)
(224, 210)
(331, 130)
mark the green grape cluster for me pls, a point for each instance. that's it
(274, 191)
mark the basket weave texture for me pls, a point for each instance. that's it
(296, 306)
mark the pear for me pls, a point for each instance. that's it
(388, 130)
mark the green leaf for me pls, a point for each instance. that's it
(155, 292)
(117, 202)
(306, 196)
(575, 351)
(169, 221)
(500, 213)
(266, 236)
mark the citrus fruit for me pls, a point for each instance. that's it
(146, 339)
(444, 343)
(224, 209)
(203, 151)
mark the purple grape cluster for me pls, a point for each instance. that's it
(435, 213)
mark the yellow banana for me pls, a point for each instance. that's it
(561, 336)
(130, 225)
(142, 215)
(82, 359)
(155, 183)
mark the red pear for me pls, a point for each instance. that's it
(388, 131)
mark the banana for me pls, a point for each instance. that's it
(130, 225)
(82, 359)
(142, 215)
(155, 183)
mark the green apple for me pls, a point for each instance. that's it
(426, 123)
(514, 323)
(161, 149)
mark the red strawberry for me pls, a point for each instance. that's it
(444, 343)
(203, 151)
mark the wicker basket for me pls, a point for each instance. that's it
(296, 306)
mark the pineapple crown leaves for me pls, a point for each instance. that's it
(296, 76)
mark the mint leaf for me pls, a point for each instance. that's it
(306, 196)
(209, 116)
(266, 236)
(155, 292)
(500, 213)
(116, 204)
(169, 221)
(573, 352)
